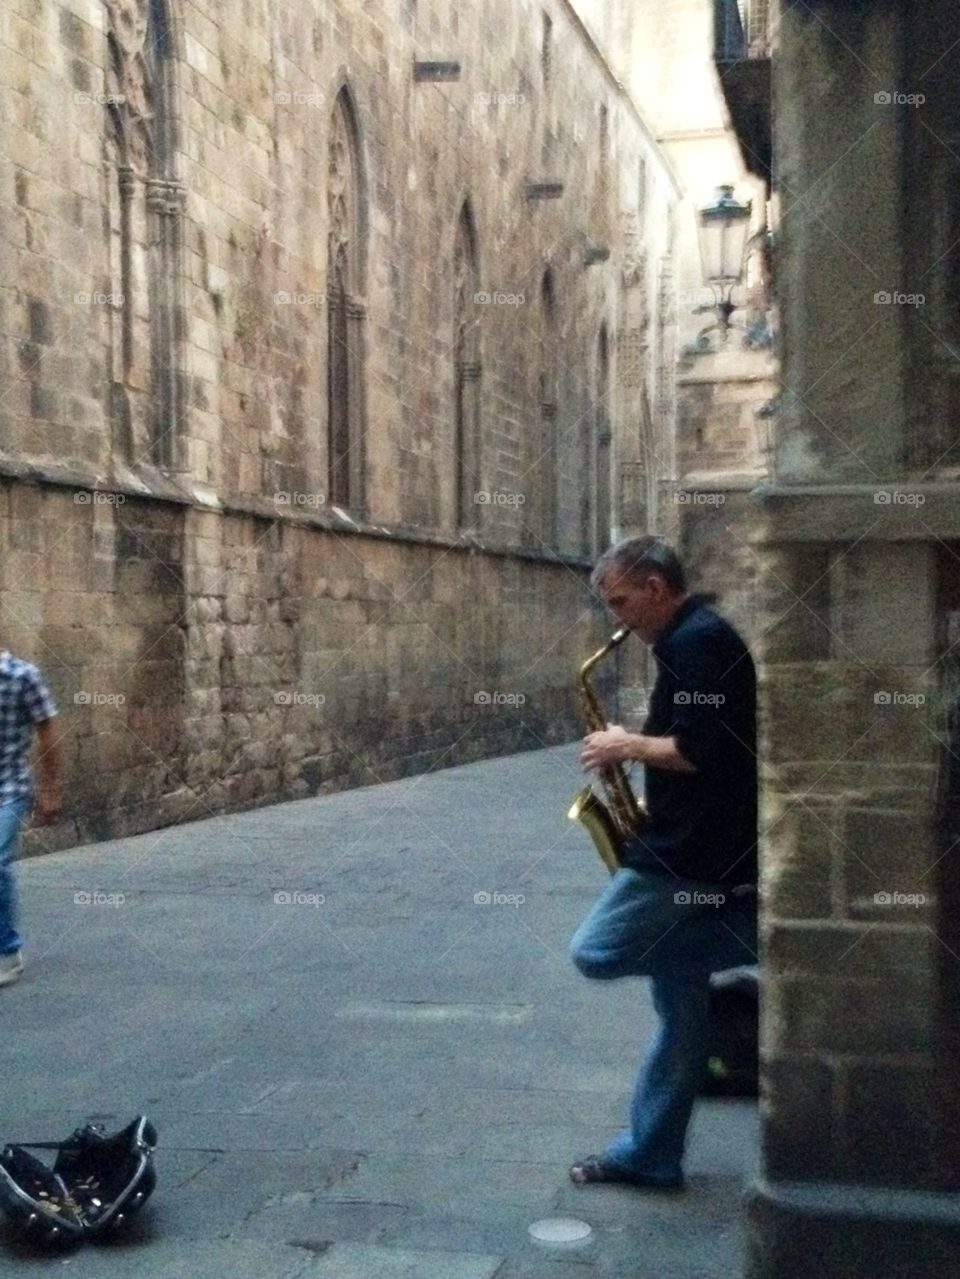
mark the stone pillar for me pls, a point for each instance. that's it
(839, 181)
(860, 1163)
(854, 1153)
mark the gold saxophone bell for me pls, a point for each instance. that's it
(612, 824)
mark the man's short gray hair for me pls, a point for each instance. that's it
(637, 558)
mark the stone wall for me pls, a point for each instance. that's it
(246, 198)
(207, 661)
(718, 429)
(254, 391)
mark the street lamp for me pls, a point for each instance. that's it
(722, 227)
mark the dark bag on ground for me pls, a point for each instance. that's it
(733, 1068)
(96, 1182)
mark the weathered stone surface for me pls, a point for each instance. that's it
(187, 543)
(859, 534)
(847, 1229)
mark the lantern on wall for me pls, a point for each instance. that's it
(723, 227)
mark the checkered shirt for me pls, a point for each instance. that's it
(24, 702)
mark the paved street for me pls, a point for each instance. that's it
(386, 1083)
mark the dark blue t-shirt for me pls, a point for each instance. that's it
(702, 825)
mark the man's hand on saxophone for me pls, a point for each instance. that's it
(614, 745)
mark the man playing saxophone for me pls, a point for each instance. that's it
(683, 903)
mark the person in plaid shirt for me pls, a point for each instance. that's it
(25, 704)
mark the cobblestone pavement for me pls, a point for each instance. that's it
(358, 1068)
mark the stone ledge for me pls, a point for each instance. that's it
(848, 512)
(854, 1232)
(720, 481)
(694, 378)
(154, 485)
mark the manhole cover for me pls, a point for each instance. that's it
(560, 1230)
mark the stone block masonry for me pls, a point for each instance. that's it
(234, 660)
(311, 412)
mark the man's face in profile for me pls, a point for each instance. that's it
(637, 603)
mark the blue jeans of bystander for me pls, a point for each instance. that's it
(12, 817)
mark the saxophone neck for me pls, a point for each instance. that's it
(596, 720)
(615, 639)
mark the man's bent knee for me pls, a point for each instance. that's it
(593, 964)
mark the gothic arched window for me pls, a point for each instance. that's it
(466, 374)
(597, 529)
(545, 464)
(146, 208)
(345, 313)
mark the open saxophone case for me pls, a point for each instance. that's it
(94, 1186)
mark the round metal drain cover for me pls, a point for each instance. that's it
(560, 1230)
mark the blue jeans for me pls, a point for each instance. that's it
(12, 817)
(638, 928)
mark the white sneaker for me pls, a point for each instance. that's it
(11, 968)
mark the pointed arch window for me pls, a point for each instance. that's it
(345, 313)
(466, 374)
(597, 525)
(545, 464)
(146, 237)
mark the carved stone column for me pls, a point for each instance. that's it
(165, 201)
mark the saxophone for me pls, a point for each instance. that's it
(614, 823)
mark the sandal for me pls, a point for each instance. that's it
(598, 1169)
